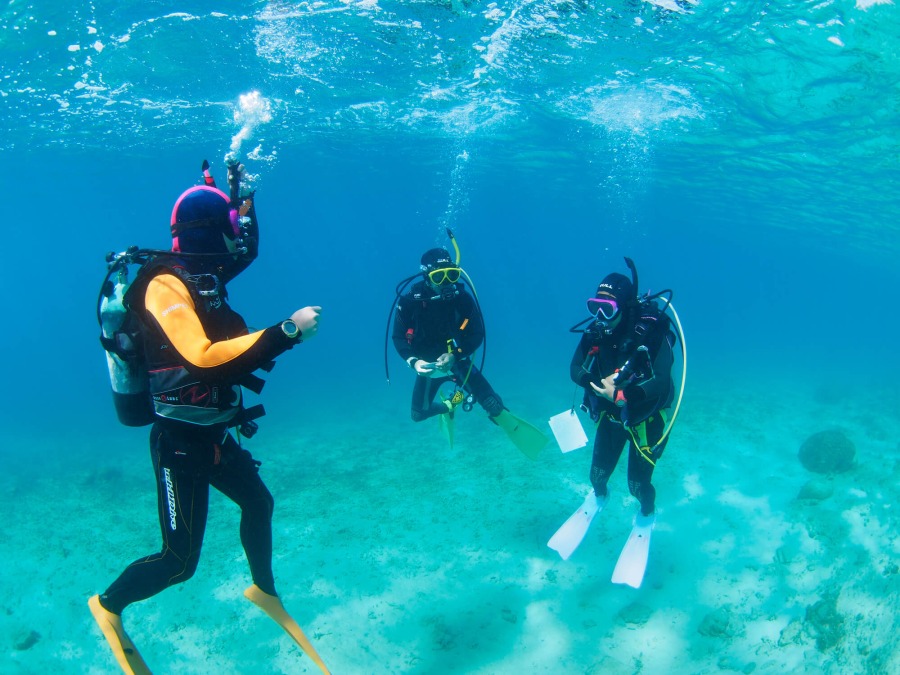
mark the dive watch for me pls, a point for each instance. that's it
(289, 328)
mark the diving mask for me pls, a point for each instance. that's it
(604, 307)
(444, 275)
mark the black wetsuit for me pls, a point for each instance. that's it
(199, 351)
(597, 356)
(426, 326)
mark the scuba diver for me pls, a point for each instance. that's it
(197, 353)
(624, 362)
(438, 326)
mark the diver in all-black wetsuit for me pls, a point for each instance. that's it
(199, 353)
(630, 411)
(437, 328)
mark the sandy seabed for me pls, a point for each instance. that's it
(398, 554)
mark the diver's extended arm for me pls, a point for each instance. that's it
(169, 304)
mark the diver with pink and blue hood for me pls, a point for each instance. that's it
(199, 354)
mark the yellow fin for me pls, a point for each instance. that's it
(272, 606)
(123, 648)
(526, 437)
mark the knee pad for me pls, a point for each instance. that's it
(492, 405)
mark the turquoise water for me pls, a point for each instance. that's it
(743, 154)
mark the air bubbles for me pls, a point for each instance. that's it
(253, 110)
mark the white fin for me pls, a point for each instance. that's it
(633, 559)
(569, 536)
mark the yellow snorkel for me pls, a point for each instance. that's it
(455, 246)
(458, 257)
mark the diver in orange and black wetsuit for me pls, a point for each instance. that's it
(199, 353)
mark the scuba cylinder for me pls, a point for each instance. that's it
(120, 337)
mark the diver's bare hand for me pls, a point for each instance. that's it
(424, 368)
(445, 362)
(608, 391)
(307, 320)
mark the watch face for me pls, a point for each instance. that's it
(290, 328)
